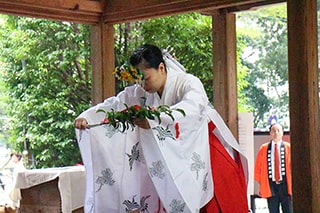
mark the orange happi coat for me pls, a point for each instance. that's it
(261, 170)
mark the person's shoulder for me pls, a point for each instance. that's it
(191, 76)
(187, 77)
(286, 143)
(264, 145)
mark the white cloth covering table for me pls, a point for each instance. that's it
(71, 184)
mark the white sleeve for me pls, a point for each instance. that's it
(130, 95)
(190, 96)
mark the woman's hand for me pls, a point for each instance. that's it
(141, 122)
(80, 123)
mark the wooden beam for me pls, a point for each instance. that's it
(224, 68)
(130, 10)
(253, 6)
(81, 11)
(115, 11)
(304, 104)
(103, 62)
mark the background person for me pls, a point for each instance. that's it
(273, 171)
(13, 195)
(16, 158)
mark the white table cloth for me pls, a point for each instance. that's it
(71, 184)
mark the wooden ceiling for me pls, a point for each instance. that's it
(118, 11)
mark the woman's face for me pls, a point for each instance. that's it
(155, 79)
(14, 159)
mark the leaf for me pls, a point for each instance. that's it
(149, 115)
(170, 115)
(101, 110)
(181, 111)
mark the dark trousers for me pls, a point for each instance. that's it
(280, 197)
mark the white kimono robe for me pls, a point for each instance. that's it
(162, 169)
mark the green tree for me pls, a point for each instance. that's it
(4, 120)
(175, 33)
(47, 73)
(127, 38)
(265, 34)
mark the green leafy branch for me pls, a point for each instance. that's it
(125, 119)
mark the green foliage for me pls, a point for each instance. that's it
(47, 74)
(256, 98)
(127, 37)
(244, 104)
(125, 120)
(265, 33)
(177, 33)
(4, 119)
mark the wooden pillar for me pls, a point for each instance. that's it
(304, 104)
(224, 68)
(103, 62)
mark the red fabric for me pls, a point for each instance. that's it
(212, 207)
(230, 190)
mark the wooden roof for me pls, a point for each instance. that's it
(117, 11)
